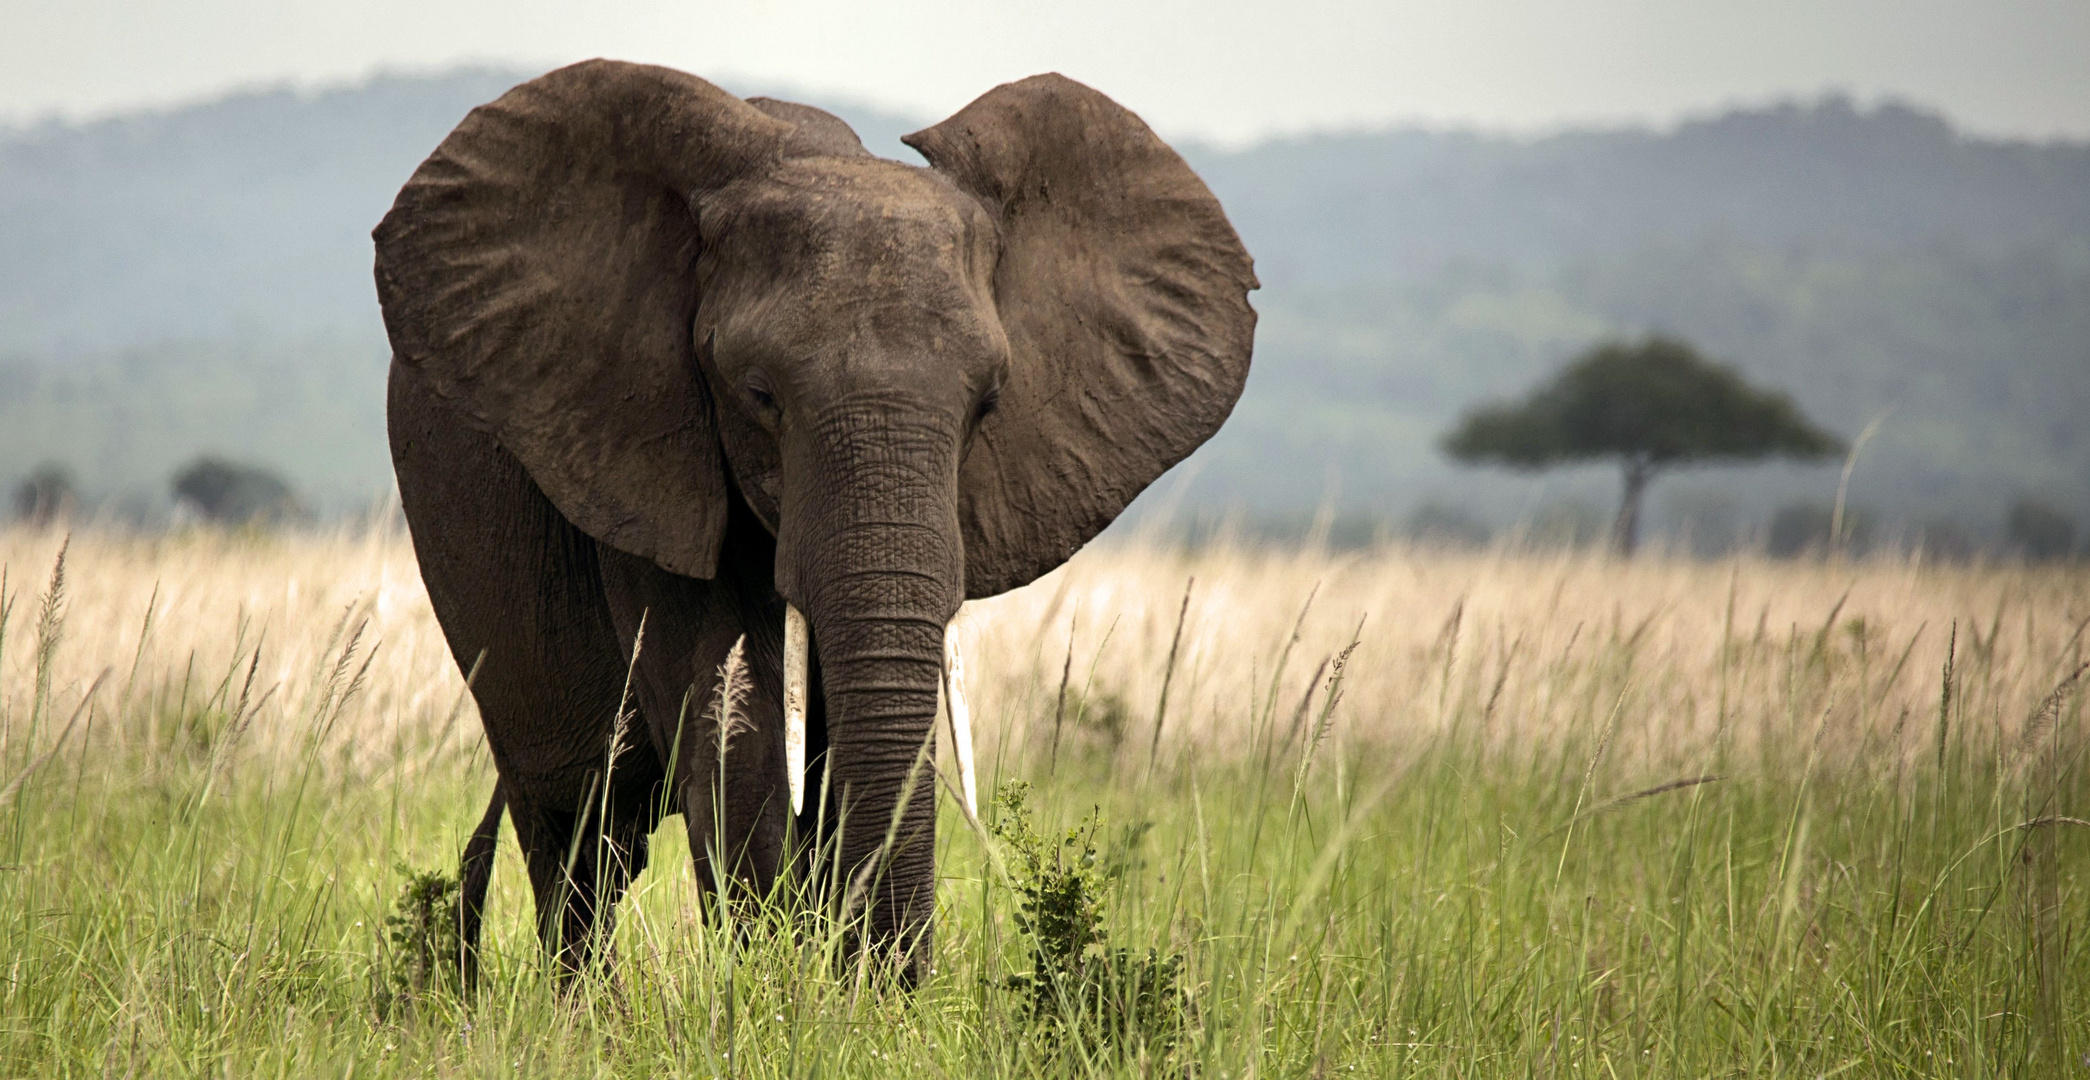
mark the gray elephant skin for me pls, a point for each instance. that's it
(664, 356)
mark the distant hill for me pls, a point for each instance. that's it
(198, 279)
(248, 214)
(1869, 261)
(1344, 210)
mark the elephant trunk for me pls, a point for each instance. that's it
(870, 549)
(881, 678)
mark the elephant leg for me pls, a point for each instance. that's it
(579, 870)
(518, 592)
(474, 874)
(737, 810)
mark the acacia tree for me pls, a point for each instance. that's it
(1650, 405)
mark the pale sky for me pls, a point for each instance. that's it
(1225, 70)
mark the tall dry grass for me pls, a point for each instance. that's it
(177, 626)
(1522, 643)
(1689, 655)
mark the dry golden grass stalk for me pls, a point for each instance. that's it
(1769, 648)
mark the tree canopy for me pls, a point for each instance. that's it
(1651, 404)
(1657, 401)
(231, 493)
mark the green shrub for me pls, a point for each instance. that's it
(1077, 984)
(421, 952)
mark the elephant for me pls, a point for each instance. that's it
(672, 369)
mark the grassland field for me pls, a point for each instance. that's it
(1405, 813)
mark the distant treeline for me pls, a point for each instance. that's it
(122, 425)
(2030, 530)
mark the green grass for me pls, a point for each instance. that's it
(1839, 903)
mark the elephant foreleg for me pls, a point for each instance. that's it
(578, 872)
(475, 873)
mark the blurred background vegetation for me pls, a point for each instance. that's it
(196, 283)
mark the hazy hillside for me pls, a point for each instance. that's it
(199, 279)
(1341, 210)
(1980, 364)
(251, 214)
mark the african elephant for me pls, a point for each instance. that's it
(667, 357)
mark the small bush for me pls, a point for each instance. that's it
(1077, 983)
(421, 953)
(46, 495)
(2039, 531)
(229, 493)
(1102, 718)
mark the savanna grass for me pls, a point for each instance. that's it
(1400, 813)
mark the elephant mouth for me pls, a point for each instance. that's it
(797, 661)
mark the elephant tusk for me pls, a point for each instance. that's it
(961, 720)
(796, 651)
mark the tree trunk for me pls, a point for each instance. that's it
(1625, 536)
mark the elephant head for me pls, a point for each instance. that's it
(930, 384)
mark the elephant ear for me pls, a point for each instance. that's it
(1124, 294)
(539, 269)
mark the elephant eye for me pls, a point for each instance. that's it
(989, 401)
(758, 391)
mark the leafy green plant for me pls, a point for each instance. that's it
(1077, 982)
(421, 950)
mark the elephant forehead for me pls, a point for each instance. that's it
(869, 254)
(851, 215)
